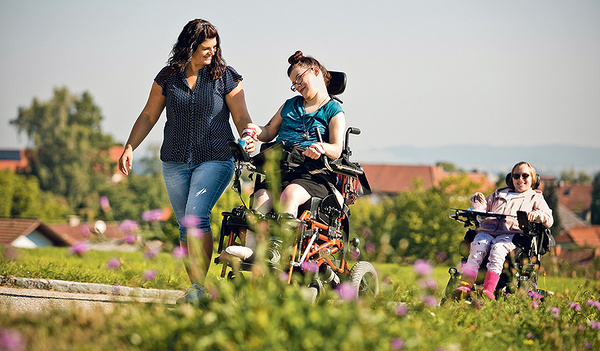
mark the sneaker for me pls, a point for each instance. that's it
(194, 295)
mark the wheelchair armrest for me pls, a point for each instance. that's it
(238, 151)
(343, 166)
(259, 159)
(529, 228)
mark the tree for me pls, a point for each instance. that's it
(69, 149)
(448, 167)
(595, 208)
(21, 197)
(414, 224)
(570, 176)
(551, 197)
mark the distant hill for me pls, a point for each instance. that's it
(547, 159)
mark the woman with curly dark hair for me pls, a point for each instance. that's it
(294, 124)
(199, 92)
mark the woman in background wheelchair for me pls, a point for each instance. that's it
(295, 125)
(495, 235)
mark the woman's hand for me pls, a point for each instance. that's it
(126, 160)
(250, 136)
(252, 131)
(534, 216)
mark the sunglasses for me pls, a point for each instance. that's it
(523, 175)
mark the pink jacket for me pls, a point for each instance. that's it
(531, 200)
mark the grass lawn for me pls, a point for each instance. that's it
(92, 267)
(267, 314)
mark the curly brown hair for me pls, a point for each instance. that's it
(193, 34)
(298, 59)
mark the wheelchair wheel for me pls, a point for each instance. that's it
(363, 278)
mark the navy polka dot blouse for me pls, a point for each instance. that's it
(197, 126)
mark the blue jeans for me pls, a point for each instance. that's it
(194, 189)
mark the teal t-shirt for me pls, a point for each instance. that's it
(298, 127)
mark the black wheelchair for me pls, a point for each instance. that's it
(320, 251)
(521, 265)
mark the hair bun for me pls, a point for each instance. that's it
(295, 58)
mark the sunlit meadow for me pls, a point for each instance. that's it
(264, 313)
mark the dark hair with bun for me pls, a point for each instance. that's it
(298, 59)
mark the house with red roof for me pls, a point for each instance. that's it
(579, 241)
(577, 198)
(14, 160)
(29, 233)
(393, 179)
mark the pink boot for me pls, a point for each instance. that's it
(465, 285)
(490, 283)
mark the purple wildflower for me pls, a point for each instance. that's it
(85, 230)
(428, 283)
(441, 256)
(580, 328)
(79, 248)
(213, 293)
(423, 267)
(595, 325)
(116, 289)
(346, 291)
(535, 305)
(430, 300)
(397, 344)
(555, 311)
(129, 238)
(105, 204)
(11, 340)
(575, 306)
(152, 216)
(195, 232)
(530, 336)
(179, 252)
(587, 345)
(366, 233)
(283, 276)
(309, 266)
(150, 274)
(370, 247)
(151, 253)
(10, 253)
(113, 263)
(401, 310)
(596, 304)
(190, 221)
(534, 294)
(129, 226)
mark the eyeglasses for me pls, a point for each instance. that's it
(523, 175)
(298, 80)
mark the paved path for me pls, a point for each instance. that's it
(36, 295)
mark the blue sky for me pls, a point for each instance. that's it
(420, 73)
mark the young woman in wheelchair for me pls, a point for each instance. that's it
(294, 124)
(495, 235)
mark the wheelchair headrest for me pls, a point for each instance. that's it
(337, 83)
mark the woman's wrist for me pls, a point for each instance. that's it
(249, 132)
